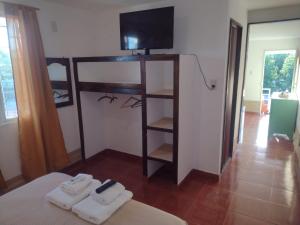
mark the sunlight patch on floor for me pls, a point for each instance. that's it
(262, 133)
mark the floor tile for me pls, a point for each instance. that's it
(233, 218)
(258, 186)
(284, 197)
(282, 215)
(249, 207)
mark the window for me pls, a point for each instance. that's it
(8, 108)
(279, 70)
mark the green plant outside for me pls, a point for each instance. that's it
(279, 72)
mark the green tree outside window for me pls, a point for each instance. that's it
(279, 71)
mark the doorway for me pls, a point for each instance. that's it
(271, 83)
(233, 68)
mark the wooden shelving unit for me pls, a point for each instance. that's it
(165, 93)
(164, 124)
(163, 153)
(120, 88)
(167, 125)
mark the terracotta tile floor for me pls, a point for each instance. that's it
(257, 188)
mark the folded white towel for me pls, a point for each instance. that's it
(76, 184)
(91, 211)
(66, 201)
(109, 195)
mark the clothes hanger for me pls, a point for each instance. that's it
(63, 96)
(113, 98)
(136, 104)
(125, 105)
(104, 97)
(57, 94)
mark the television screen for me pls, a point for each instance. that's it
(149, 29)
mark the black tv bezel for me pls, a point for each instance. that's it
(141, 11)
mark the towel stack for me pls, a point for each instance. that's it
(89, 199)
(98, 207)
(77, 184)
(73, 191)
(109, 195)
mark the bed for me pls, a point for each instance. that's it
(27, 206)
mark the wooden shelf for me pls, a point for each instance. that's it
(165, 93)
(121, 88)
(125, 58)
(164, 124)
(163, 153)
(61, 85)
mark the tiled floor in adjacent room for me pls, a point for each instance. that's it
(257, 188)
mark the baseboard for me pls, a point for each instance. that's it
(252, 113)
(2, 182)
(196, 174)
(235, 145)
(75, 156)
(116, 153)
(298, 169)
(296, 143)
(17, 181)
(252, 106)
(193, 173)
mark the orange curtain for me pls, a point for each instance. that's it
(41, 140)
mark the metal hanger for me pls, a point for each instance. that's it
(136, 104)
(136, 101)
(58, 94)
(111, 98)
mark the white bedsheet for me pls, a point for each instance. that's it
(27, 206)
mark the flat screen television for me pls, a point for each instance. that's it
(148, 29)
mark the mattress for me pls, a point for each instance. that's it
(27, 206)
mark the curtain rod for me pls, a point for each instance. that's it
(12, 3)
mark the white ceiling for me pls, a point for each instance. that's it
(273, 31)
(100, 4)
(103, 4)
(261, 4)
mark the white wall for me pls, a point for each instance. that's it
(297, 132)
(201, 27)
(9, 150)
(187, 144)
(255, 63)
(75, 37)
(273, 14)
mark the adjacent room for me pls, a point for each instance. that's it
(164, 112)
(272, 77)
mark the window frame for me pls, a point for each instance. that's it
(295, 75)
(3, 119)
